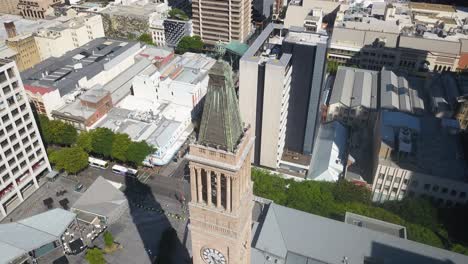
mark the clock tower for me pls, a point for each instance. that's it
(221, 187)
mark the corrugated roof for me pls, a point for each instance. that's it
(355, 87)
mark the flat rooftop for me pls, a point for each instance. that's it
(375, 224)
(433, 7)
(136, 11)
(435, 149)
(66, 72)
(25, 26)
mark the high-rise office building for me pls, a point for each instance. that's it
(23, 160)
(221, 187)
(224, 20)
(279, 92)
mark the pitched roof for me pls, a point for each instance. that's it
(21, 237)
(220, 124)
(315, 239)
(101, 198)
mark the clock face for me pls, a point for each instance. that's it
(213, 256)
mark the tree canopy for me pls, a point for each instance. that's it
(57, 132)
(176, 13)
(120, 146)
(333, 200)
(190, 44)
(101, 141)
(146, 38)
(71, 160)
(95, 256)
(108, 238)
(137, 152)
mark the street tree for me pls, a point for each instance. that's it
(108, 239)
(138, 151)
(101, 141)
(120, 146)
(95, 256)
(71, 160)
(85, 141)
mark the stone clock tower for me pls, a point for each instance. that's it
(221, 187)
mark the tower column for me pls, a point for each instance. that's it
(235, 193)
(228, 193)
(200, 186)
(218, 189)
(208, 185)
(193, 183)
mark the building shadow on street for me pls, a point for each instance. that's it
(162, 245)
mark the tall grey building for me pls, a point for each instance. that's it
(23, 160)
(280, 87)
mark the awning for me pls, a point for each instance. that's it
(52, 174)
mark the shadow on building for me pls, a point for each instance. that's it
(400, 255)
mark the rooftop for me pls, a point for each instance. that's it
(68, 72)
(355, 87)
(416, 21)
(136, 11)
(329, 155)
(294, 236)
(25, 26)
(403, 93)
(66, 23)
(432, 147)
(31, 233)
(101, 198)
(375, 224)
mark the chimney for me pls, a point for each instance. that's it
(10, 29)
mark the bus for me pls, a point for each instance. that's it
(97, 163)
(132, 172)
(119, 169)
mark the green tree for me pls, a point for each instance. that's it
(176, 13)
(120, 146)
(44, 128)
(72, 160)
(146, 38)
(345, 191)
(460, 249)
(190, 44)
(85, 141)
(137, 152)
(95, 256)
(57, 132)
(101, 141)
(414, 210)
(423, 235)
(108, 239)
(332, 67)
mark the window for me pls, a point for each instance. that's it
(427, 186)
(390, 178)
(453, 193)
(414, 183)
(462, 194)
(381, 175)
(394, 190)
(397, 180)
(444, 190)
(378, 186)
(435, 188)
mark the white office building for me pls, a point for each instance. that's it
(23, 160)
(72, 34)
